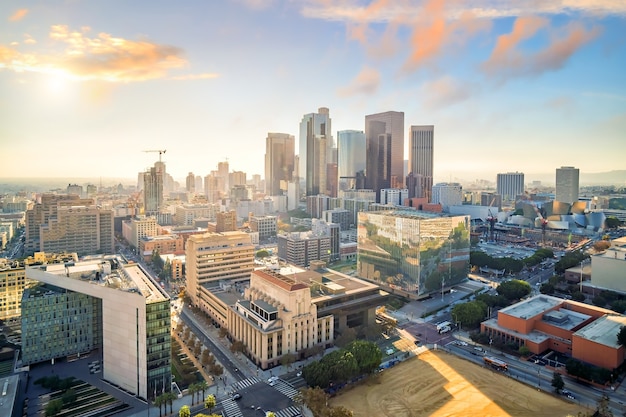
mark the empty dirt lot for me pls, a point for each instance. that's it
(440, 384)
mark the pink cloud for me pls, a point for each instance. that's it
(366, 82)
(18, 15)
(507, 60)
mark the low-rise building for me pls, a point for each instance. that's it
(581, 331)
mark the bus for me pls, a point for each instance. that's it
(496, 363)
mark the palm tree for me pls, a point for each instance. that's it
(203, 386)
(170, 397)
(193, 388)
(159, 401)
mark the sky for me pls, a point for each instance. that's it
(86, 87)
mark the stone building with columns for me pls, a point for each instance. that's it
(293, 311)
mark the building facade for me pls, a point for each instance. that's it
(384, 133)
(421, 157)
(102, 301)
(447, 194)
(315, 150)
(300, 248)
(153, 180)
(136, 228)
(510, 185)
(351, 158)
(413, 251)
(212, 257)
(279, 162)
(266, 226)
(567, 186)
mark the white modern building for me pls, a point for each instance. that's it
(510, 185)
(447, 194)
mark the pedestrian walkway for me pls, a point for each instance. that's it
(231, 408)
(245, 383)
(290, 411)
(285, 389)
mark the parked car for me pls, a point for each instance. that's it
(236, 396)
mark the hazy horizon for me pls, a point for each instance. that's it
(89, 87)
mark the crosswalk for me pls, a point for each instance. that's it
(231, 408)
(285, 388)
(290, 411)
(248, 382)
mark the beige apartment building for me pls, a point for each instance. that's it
(212, 258)
(136, 228)
(278, 317)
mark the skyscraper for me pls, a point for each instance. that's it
(510, 185)
(190, 183)
(351, 158)
(421, 155)
(567, 184)
(315, 150)
(384, 133)
(153, 189)
(279, 162)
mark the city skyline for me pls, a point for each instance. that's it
(88, 87)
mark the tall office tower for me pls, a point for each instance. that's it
(136, 228)
(421, 155)
(350, 158)
(215, 257)
(44, 212)
(315, 150)
(279, 162)
(153, 189)
(567, 184)
(447, 194)
(140, 180)
(211, 188)
(510, 185)
(222, 173)
(198, 184)
(190, 183)
(384, 134)
(101, 303)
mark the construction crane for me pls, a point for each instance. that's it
(161, 152)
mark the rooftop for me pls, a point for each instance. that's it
(531, 307)
(109, 272)
(604, 330)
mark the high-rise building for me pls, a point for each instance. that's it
(279, 162)
(315, 150)
(136, 228)
(190, 183)
(222, 173)
(226, 221)
(421, 156)
(153, 189)
(447, 194)
(415, 251)
(211, 257)
(567, 186)
(300, 248)
(351, 158)
(384, 134)
(101, 303)
(510, 185)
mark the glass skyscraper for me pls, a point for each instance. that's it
(351, 158)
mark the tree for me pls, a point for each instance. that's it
(469, 314)
(603, 409)
(599, 300)
(270, 414)
(315, 399)
(601, 245)
(193, 389)
(547, 288)
(578, 296)
(263, 253)
(209, 402)
(346, 336)
(170, 397)
(514, 289)
(557, 382)
(203, 386)
(184, 411)
(237, 346)
(339, 411)
(223, 332)
(287, 359)
(367, 355)
(612, 222)
(159, 401)
(621, 336)
(54, 407)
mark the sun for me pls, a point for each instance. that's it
(56, 84)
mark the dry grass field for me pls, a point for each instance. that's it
(440, 384)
